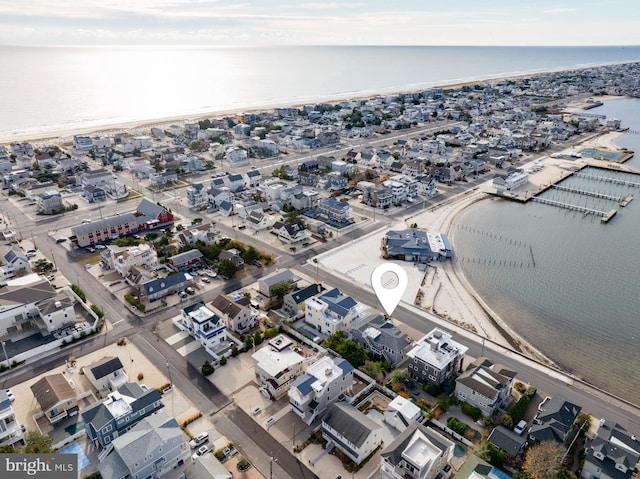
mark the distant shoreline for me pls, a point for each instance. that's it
(64, 135)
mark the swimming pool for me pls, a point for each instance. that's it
(74, 448)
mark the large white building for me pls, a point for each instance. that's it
(276, 366)
(436, 359)
(322, 384)
(209, 329)
(332, 311)
(122, 260)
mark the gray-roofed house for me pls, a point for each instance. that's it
(161, 287)
(381, 337)
(356, 435)
(401, 413)
(232, 255)
(118, 412)
(20, 303)
(485, 385)
(322, 383)
(612, 454)
(56, 397)
(252, 178)
(419, 452)
(416, 245)
(106, 375)
(507, 440)
(294, 301)
(15, 262)
(151, 448)
(273, 279)
(187, 260)
(49, 202)
(291, 232)
(555, 421)
(436, 358)
(239, 318)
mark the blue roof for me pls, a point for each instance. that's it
(303, 383)
(344, 365)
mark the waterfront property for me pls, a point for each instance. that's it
(382, 338)
(613, 453)
(555, 421)
(436, 359)
(486, 386)
(416, 245)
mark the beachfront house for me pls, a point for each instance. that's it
(436, 359)
(485, 385)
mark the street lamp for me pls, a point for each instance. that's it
(5, 353)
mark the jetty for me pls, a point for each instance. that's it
(593, 194)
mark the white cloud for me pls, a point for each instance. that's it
(554, 11)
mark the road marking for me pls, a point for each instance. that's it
(117, 322)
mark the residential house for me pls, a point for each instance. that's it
(252, 178)
(508, 441)
(166, 178)
(401, 413)
(612, 454)
(120, 410)
(436, 359)
(49, 202)
(207, 327)
(416, 245)
(426, 186)
(272, 279)
(123, 259)
(382, 338)
(152, 448)
(418, 452)
(197, 196)
(232, 255)
(106, 375)
(82, 142)
(188, 260)
(485, 385)
(56, 397)
(55, 313)
(258, 220)
(159, 288)
(239, 317)
(335, 212)
(291, 233)
(99, 177)
(332, 311)
(19, 148)
(294, 301)
(555, 421)
(21, 303)
(235, 155)
(277, 365)
(353, 433)
(16, 263)
(203, 232)
(305, 200)
(511, 180)
(11, 433)
(234, 182)
(322, 384)
(95, 194)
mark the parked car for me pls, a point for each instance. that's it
(51, 277)
(190, 290)
(30, 253)
(10, 395)
(87, 266)
(100, 246)
(256, 410)
(206, 280)
(91, 249)
(61, 240)
(201, 451)
(520, 427)
(199, 440)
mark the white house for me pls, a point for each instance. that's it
(401, 413)
(276, 366)
(322, 384)
(142, 255)
(209, 329)
(239, 317)
(236, 155)
(332, 311)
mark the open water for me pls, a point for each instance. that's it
(562, 280)
(52, 88)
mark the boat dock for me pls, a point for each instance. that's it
(605, 216)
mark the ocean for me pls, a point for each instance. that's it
(562, 280)
(579, 304)
(46, 89)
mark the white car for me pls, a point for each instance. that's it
(201, 451)
(31, 253)
(100, 246)
(520, 427)
(199, 440)
(10, 395)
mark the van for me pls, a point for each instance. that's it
(199, 440)
(270, 421)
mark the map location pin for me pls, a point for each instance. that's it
(389, 297)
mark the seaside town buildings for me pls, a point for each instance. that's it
(488, 127)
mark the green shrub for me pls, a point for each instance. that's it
(207, 368)
(270, 333)
(96, 309)
(431, 390)
(223, 360)
(457, 426)
(235, 351)
(470, 410)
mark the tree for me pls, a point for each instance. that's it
(353, 352)
(227, 268)
(36, 443)
(490, 453)
(250, 255)
(279, 290)
(543, 460)
(400, 376)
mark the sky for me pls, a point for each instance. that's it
(289, 22)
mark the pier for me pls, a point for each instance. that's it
(607, 179)
(593, 194)
(604, 215)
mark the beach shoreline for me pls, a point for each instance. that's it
(143, 126)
